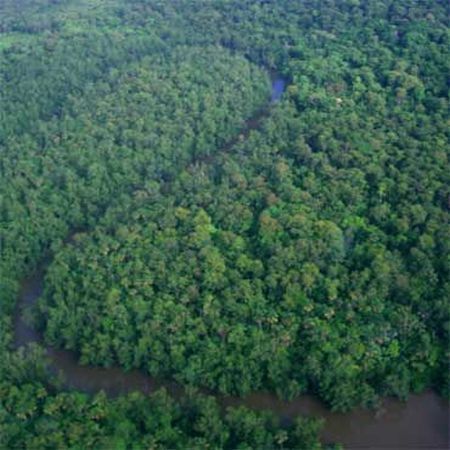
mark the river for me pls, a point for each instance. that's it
(421, 422)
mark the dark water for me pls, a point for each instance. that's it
(420, 423)
(278, 87)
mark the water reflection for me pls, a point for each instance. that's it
(278, 87)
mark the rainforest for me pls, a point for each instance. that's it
(224, 224)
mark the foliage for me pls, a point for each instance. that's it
(309, 254)
(31, 417)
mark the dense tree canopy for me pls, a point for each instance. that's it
(309, 254)
(32, 418)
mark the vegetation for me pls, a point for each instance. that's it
(32, 417)
(308, 256)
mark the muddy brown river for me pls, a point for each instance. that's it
(420, 423)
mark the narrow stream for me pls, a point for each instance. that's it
(421, 422)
